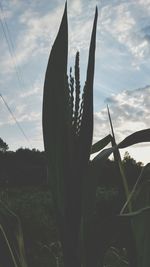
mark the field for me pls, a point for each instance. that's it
(35, 208)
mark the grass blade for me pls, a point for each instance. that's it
(138, 183)
(140, 218)
(117, 158)
(11, 239)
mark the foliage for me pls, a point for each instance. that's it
(32, 170)
(134, 223)
(67, 130)
(3, 146)
(23, 167)
(11, 239)
(34, 207)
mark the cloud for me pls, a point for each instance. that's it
(26, 106)
(28, 119)
(33, 91)
(35, 33)
(129, 112)
(21, 114)
(125, 23)
(119, 19)
(76, 7)
(145, 4)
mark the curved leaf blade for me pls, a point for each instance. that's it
(86, 131)
(135, 138)
(12, 252)
(101, 144)
(54, 113)
(133, 194)
(104, 154)
(54, 97)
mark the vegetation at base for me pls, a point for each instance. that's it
(30, 198)
(35, 208)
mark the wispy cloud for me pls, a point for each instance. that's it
(124, 21)
(119, 19)
(35, 90)
(129, 112)
(75, 7)
(36, 32)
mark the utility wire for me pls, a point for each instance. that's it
(14, 118)
(11, 49)
(10, 45)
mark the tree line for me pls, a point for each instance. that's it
(28, 167)
(22, 167)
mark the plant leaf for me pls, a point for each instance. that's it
(140, 217)
(54, 113)
(55, 124)
(140, 221)
(135, 138)
(67, 153)
(118, 161)
(12, 253)
(83, 145)
(101, 144)
(86, 132)
(104, 154)
(133, 194)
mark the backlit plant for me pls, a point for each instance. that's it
(67, 131)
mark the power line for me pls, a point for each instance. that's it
(14, 118)
(9, 41)
(10, 45)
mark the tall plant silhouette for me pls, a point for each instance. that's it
(67, 131)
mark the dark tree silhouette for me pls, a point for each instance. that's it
(3, 146)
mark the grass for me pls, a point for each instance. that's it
(35, 209)
(34, 206)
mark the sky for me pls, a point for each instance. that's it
(122, 72)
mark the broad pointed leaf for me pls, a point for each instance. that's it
(101, 144)
(54, 113)
(55, 125)
(135, 138)
(104, 154)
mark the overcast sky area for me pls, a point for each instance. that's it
(122, 72)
